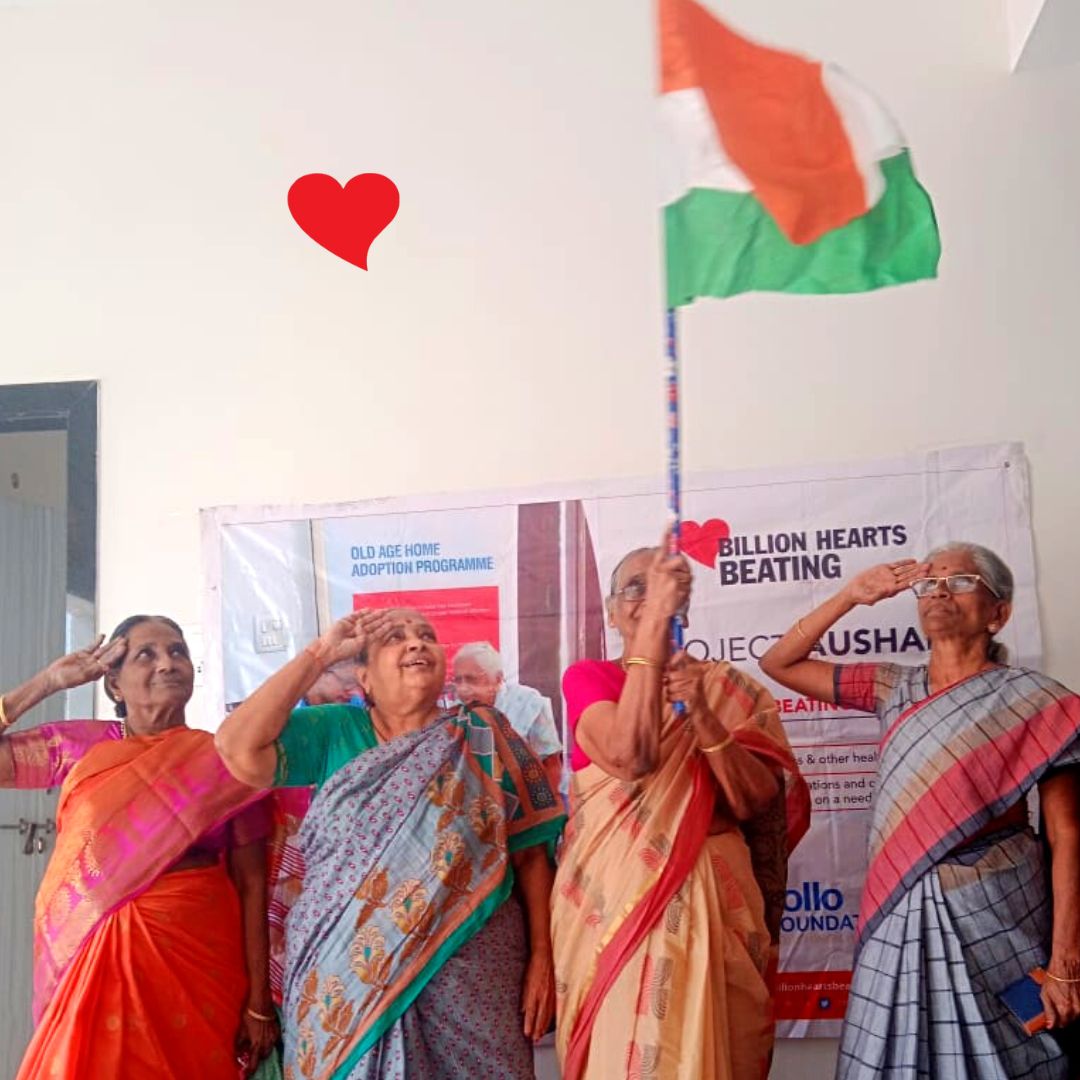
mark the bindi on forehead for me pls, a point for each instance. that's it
(952, 564)
(404, 622)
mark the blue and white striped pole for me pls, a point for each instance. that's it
(674, 463)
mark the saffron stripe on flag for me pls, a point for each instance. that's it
(780, 173)
(773, 116)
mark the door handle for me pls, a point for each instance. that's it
(35, 833)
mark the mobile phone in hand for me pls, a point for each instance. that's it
(1023, 999)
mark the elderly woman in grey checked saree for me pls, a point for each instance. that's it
(961, 898)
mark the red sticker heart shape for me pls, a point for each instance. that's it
(344, 220)
(702, 542)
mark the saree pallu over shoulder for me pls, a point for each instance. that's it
(127, 811)
(639, 869)
(407, 856)
(954, 762)
(748, 710)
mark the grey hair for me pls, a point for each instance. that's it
(619, 565)
(484, 654)
(994, 570)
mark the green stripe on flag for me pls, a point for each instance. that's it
(721, 243)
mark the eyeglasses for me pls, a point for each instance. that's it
(956, 584)
(470, 680)
(632, 592)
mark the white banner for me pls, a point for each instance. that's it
(527, 571)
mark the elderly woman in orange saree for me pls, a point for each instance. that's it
(669, 892)
(150, 953)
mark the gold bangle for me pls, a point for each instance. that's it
(1059, 979)
(717, 747)
(802, 633)
(644, 661)
(259, 1016)
(5, 723)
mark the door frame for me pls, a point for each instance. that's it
(71, 407)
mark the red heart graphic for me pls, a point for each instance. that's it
(702, 542)
(344, 220)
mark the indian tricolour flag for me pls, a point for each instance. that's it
(780, 174)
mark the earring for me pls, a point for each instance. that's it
(993, 628)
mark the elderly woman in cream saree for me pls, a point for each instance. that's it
(669, 893)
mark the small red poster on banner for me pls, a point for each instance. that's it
(458, 615)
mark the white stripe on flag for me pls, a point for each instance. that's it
(873, 134)
(691, 155)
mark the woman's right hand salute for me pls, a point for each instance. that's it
(350, 636)
(84, 665)
(789, 660)
(884, 581)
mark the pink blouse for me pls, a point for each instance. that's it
(583, 684)
(44, 755)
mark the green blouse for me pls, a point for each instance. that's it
(318, 740)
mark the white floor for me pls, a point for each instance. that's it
(547, 1068)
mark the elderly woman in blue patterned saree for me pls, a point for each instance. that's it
(407, 952)
(961, 900)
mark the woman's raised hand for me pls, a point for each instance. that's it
(667, 581)
(684, 680)
(351, 635)
(84, 665)
(887, 579)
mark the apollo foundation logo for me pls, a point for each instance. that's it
(815, 906)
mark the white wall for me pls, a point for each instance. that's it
(509, 330)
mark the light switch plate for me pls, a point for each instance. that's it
(271, 633)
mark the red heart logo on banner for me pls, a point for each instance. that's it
(702, 542)
(344, 220)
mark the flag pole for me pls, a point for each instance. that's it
(674, 499)
(674, 496)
